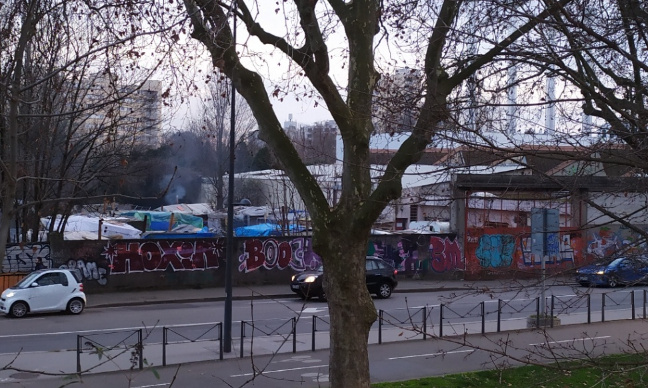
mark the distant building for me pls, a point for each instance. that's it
(315, 143)
(396, 101)
(125, 114)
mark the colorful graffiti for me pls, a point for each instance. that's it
(162, 255)
(22, 258)
(495, 250)
(271, 253)
(511, 248)
(88, 270)
(445, 254)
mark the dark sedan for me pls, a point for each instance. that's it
(381, 280)
(613, 273)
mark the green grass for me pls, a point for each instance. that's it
(619, 371)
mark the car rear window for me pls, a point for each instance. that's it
(77, 275)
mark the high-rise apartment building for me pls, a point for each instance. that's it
(125, 114)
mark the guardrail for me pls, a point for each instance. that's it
(424, 321)
(270, 327)
(114, 344)
(179, 334)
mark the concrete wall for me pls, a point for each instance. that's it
(189, 263)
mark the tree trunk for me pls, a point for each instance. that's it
(351, 308)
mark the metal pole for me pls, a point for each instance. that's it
(441, 321)
(313, 333)
(220, 341)
(294, 334)
(499, 315)
(164, 344)
(424, 323)
(140, 345)
(78, 360)
(380, 321)
(483, 313)
(632, 301)
(552, 309)
(229, 247)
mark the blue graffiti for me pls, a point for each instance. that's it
(495, 250)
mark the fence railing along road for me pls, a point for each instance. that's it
(300, 333)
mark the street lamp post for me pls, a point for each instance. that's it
(229, 247)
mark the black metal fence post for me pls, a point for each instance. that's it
(603, 307)
(164, 344)
(380, 321)
(538, 312)
(644, 304)
(313, 333)
(220, 340)
(499, 315)
(424, 323)
(483, 313)
(140, 346)
(242, 336)
(294, 334)
(78, 355)
(589, 308)
(441, 320)
(632, 302)
(552, 310)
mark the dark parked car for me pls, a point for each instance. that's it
(614, 272)
(381, 280)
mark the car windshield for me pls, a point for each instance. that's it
(27, 280)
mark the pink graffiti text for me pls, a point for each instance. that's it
(129, 257)
(271, 253)
(445, 254)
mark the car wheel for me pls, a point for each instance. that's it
(75, 306)
(384, 291)
(612, 282)
(18, 309)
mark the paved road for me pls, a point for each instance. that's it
(293, 363)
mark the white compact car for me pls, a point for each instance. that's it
(45, 290)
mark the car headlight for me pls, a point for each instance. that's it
(292, 279)
(10, 294)
(310, 279)
(601, 272)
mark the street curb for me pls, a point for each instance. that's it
(255, 295)
(250, 297)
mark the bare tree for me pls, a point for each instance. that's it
(214, 125)
(341, 231)
(72, 105)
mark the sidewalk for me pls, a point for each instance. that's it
(405, 285)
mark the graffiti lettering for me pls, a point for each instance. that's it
(271, 253)
(495, 250)
(22, 258)
(88, 270)
(445, 254)
(161, 255)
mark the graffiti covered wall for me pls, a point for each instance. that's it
(141, 264)
(506, 252)
(22, 258)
